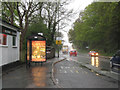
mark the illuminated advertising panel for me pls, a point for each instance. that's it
(38, 51)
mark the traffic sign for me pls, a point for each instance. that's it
(58, 42)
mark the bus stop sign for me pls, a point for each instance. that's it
(58, 41)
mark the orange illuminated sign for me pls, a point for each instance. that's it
(38, 51)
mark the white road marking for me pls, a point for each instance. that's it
(65, 72)
(66, 67)
(77, 71)
(97, 74)
(57, 81)
(61, 67)
(85, 72)
(71, 71)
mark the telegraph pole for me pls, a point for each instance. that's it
(58, 28)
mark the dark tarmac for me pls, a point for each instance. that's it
(70, 74)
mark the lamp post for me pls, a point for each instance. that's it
(58, 28)
(59, 38)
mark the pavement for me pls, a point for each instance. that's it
(101, 72)
(106, 57)
(36, 76)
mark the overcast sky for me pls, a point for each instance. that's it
(77, 6)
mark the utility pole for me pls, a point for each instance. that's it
(58, 28)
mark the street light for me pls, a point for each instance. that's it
(58, 28)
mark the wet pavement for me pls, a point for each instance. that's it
(36, 76)
(70, 74)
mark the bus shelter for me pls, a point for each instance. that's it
(36, 49)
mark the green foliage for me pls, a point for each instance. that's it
(38, 27)
(98, 27)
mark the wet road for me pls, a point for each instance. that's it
(70, 74)
(100, 63)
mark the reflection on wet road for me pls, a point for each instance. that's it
(39, 76)
(100, 63)
(36, 76)
(95, 61)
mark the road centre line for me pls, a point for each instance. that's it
(71, 71)
(77, 71)
(57, 81)
(61, 67)
(65, 71)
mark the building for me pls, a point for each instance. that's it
(9, 43)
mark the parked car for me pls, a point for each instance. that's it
(93, 53)
(73, 52)
(115, 60)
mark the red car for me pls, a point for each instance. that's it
(73, 52)
(93, 53)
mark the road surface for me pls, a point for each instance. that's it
(70, 74)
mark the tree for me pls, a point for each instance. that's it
(23, 12)
(54, 14)
(9, 11)
(98, 27)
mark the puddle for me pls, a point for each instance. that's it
(95, 61)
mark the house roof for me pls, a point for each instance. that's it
(5, 24)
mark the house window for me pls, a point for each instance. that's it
(14, 40)
(3, 39)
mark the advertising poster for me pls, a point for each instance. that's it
(38, 51)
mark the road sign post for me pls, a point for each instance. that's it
(58, 42)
